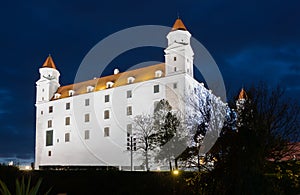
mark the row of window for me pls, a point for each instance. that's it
(106, 131)
(87, 117)
(106, 98)
(49, 136)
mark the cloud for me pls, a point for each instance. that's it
(271, 64)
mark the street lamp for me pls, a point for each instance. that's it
(175, 172)
(131, 145)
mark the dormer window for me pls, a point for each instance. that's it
(109, 84)
(71, 92)
(130, 80)
(89, 89)
(57, 95)
(158, 73)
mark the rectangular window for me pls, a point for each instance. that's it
(106, 98)
(49, 138)
(129, 129)
(106, 114)
(106, 132)
(49, 153)
(87, 102)
(67, 137)
(67, 120)
(49, 123)
(174, 85)
(129, 110)
(156, 88)
(87, 118)
(68, 106)
(50, 109)
(175, 58)
(129, 94)
(42, 112)
(87, 134)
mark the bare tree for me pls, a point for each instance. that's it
(145, 135)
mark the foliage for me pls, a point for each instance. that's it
(169, 132)
(22, 188)
(267, 124)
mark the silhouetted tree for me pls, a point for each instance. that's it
(145, 134)
(267, 123)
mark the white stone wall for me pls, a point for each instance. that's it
(99, 150)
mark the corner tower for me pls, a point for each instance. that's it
(179, 55)
(48, 83)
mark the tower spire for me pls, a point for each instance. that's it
(243, 94)
(49, 63)
(178, 25)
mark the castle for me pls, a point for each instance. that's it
(87, 124)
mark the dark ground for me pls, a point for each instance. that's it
(100, 182)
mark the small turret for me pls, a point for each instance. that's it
(48, 83)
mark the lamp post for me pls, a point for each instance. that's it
(131, 146)
(175, 174)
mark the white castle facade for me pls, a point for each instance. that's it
(87, 124)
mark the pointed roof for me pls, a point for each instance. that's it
(178, 25)
(49, 63)
(243, 94)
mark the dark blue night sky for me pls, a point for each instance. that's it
(251, 41)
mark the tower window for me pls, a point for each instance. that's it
(106, 114)
(67, 137)
(175, 58)
(174, 85)
(175, 69)
(106, 131)
(50, 109)
(87, 118)
(129, 129)
(49, 138)
(106, 98)
(87, 134)
(129, 94)
(87, 102)
(49, 123)
(42, 112)
(68, 106)
(156, 88)
(49, 153)
(67, 120)
(129, 110)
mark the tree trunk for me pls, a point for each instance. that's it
(147, 165)
(170, 163)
